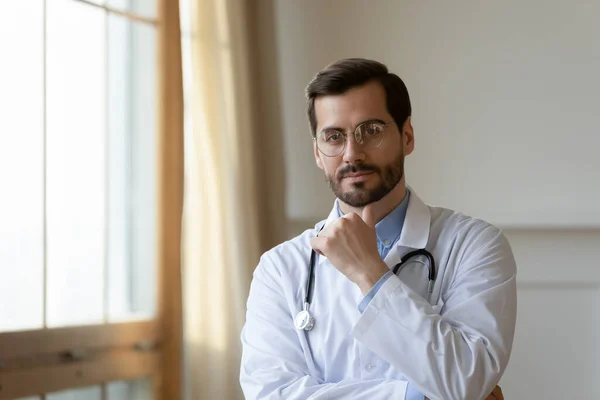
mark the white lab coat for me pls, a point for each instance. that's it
(456, 349)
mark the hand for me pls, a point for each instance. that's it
(495, 395)
(350, 244)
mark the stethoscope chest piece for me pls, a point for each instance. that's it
(304, 320)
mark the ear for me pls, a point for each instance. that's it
(408, 137)
(318, 156)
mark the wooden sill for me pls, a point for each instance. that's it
(48, 360)
(101, 367)
(57, 340)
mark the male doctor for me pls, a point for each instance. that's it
(378, 335)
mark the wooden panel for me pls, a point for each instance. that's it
(27, 343)
(124, 365)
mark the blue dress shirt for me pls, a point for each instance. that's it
(388, 232)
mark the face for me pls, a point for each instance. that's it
(360, 176)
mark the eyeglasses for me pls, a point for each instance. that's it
(370, 134)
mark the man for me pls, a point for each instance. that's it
(378, 335)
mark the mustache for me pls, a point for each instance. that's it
(352, 169)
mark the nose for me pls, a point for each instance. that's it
(354, 152)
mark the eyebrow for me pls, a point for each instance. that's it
(337, 128)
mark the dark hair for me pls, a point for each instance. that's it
(348, 73)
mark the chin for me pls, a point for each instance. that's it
(356, 197)
(363, 186)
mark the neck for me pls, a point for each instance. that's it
(384, 206)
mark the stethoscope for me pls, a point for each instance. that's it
(305, 321)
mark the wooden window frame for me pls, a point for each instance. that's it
(48, 360)
(37, 362)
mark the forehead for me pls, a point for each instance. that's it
(352, 107)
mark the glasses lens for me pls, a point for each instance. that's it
(331, 143)
(370, 134)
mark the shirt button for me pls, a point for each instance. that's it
(370, 367)
(386, 242)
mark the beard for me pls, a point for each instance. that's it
(359, 196)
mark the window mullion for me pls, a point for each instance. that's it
(106, 170)
(45, 180)
(128, 15)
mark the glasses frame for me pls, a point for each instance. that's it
(345, 135)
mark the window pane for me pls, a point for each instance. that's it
(21, 164)
(144, 177)
(144, 8)
(132, 390)
(185, 14)
(132, 169)
(75, 162)
(119, 166)
(92, 393)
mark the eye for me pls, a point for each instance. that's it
(333, 136)
(372, 129)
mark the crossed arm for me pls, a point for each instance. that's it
(462, 353)
(467, 364)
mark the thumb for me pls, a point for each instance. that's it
(367, 215)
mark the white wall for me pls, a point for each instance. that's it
(556, 350)
(505, 105)
(505, 100)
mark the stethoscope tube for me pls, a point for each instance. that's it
(305, 321)
(311, 277)
(431, 267)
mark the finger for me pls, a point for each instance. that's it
(328, 229)
(368, 216)
(318, 244)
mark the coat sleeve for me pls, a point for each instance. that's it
(462, 353)
(273, 361)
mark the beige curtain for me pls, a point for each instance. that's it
(224, 227)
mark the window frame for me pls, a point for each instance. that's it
(48, 360)
(37, 362)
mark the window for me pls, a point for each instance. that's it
(78, 210)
